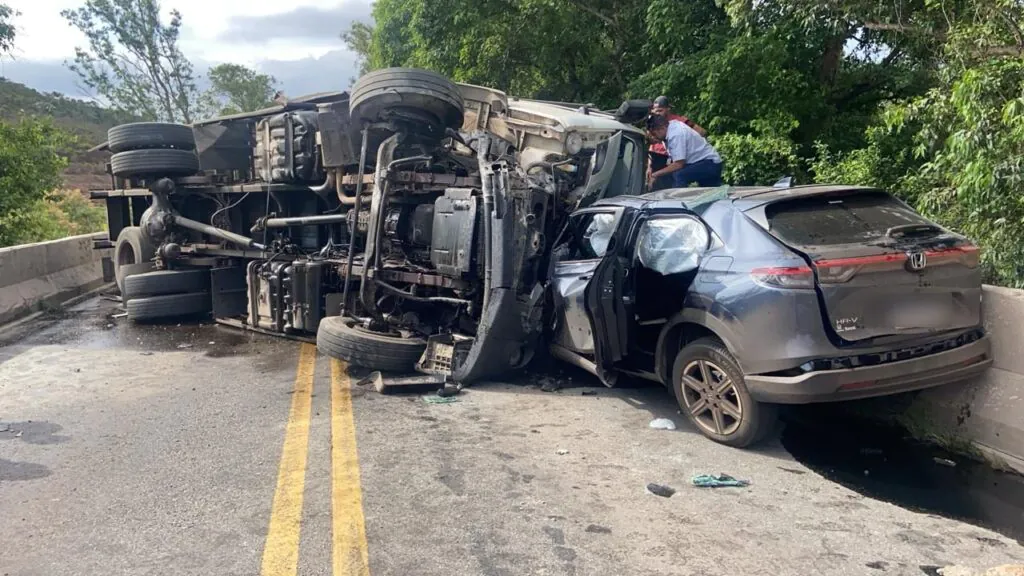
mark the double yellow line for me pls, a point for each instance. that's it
(281, 552)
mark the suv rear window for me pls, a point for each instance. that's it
(846, 219)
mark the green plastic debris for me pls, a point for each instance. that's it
(719, 481)
(440, 399)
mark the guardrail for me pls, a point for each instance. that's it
(34, 276)
(988, 411)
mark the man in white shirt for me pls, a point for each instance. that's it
(692, 160)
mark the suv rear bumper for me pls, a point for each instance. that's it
(864, 382)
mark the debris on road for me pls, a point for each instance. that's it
(449, 390)
(719, 481)
(662, 424)
(184, 346)
(562, 452)
(394, 383)
(661, 490)
(944, 462)
(596, 529)
(549, 384)
(440, 399)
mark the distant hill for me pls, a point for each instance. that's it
(86, 120)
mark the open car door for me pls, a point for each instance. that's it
(661, 243)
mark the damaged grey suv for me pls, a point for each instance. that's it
(741, 299)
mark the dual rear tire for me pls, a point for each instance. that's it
(164, 294)
(152, 149)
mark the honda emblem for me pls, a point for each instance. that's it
(916, 261)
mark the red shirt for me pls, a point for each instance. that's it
(659, 147)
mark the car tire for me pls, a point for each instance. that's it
(157, 162)
(343, 338)
(148, 135)
(380, 94)
(168, 306)
(132, 255)
(708, 358)
(163, 282)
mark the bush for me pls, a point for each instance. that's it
(756, 159)
(60, 214)
(30, 165)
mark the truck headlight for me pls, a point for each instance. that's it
(573, 143)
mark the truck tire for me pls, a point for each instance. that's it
(343, 338)
(168, 306)
(147, 135)
(163, 282)
(132, 255)
(715, 384)
(157, 162)
(378, 94)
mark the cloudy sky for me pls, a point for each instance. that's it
(296, 41)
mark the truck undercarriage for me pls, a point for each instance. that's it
(408, 222)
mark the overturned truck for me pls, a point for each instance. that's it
(405, 224)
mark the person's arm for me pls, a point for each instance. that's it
(668, 169)
(696, 127)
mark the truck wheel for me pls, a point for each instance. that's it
(344, 339)
(381, 93)
(711, 392)
(132, 255)
(168, 306)
(143, 135)
(157, 162)
(162, 282)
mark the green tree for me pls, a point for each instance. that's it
(7, 30)
(30, 166)
(133, 60)
(359, 39)
(235, 88)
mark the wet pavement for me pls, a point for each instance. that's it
(158, 449)
(883, 462)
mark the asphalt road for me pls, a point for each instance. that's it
(202, 450)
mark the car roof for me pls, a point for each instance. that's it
(751, 196)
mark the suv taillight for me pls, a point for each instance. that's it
(791, 277)
(967, 255)
(839, 270)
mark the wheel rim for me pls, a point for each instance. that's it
(126, 255)
(356, 326)
(711, 398)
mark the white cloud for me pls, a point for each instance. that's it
(293, 40)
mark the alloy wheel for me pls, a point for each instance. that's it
(711, 398)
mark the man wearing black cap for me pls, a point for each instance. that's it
(691, 159)
(662, 107)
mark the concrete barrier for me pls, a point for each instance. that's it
(33, 276)
(987, 412)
